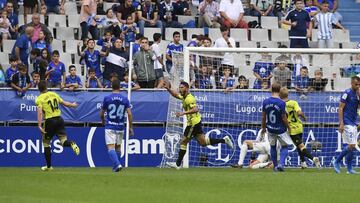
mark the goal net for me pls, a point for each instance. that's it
(230, 85)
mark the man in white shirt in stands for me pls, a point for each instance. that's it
(232, 13)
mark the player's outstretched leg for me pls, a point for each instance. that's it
(47, 154)
(204, 141)
(243, 150)
(69, 143)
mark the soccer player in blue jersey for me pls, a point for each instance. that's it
(274, 121)
(115, 105)
(174, 46)
(347, 124)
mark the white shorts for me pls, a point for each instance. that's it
(262, 158)
(283, 138)
(113, 136)
(262, 147)
(350, 134)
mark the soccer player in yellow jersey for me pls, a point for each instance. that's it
(294, 113)
(194, 127)
(48, 107)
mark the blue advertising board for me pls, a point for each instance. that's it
(152, 106)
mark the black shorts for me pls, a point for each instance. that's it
(297, 139)
(193, 131)
(54, 126)
(30, 3)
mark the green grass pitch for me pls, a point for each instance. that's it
(169, 185)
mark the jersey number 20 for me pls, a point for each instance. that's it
(116, 111)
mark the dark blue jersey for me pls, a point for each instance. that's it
(351, 100)
(302, 18)
(115, 106)
(275, 109)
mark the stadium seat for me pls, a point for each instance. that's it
(74, 20)
(57, 20)
(8, 45)
(150, 31)
(239, 35)
(259, 35)
(21, 19)
(42, 18)
(163, 45)
(341, 83)
(314, 36)
(250, 18)
(269, 22)
(313, 44)
(269, 44)
(5, 66)
(57, 45)
(169, 33)
(66, 58)
(341, 36)
(248, 44)
(71, 46)
(185, 19)
(70, 8)
(320, 61)
(4, 57)
(279, 35)
(191, 31)
(214, 34)
(65, 33)
(349, 45)
(340, 60)
(108, 5)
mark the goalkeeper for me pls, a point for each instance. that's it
(293, 112)
(194, 126)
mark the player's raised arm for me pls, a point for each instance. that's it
(69, 104)
(171, 91)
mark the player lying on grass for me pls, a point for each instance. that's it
(194, 126)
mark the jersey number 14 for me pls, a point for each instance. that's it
(54, 105)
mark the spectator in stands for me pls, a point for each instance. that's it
(35, 58)
(299, 20)
(125, 84)
(56, 71)
(333, 7)
(5, 25)
(14, 20)
(280, 8)
(282, 74)
(136, 44)
(87, 19)
(112, 77)
(227, 80)
(13, 69)
(167, 15)
(2, 77)
(182, 8)
(311, 8)
(73, 81)
(106, 40)
(112, 24)
(21, 81)
(203, 78)
(42, 69)
(35, 79)
(232, 13)
(93, 57)
(129, 31)
(124, 10)
(207, 42)
(261, 8)
(318, 83)
(148, 16)
(93, 81)
(158, 63)
(2, 4)
(116, 61)
(41, 43)
(243, 83)
(209, 14)
(302, 82)
(298, 62)
(22, 46)
(144, 65)
(30, 6)
(52, 6)
(325, 21)
(174, 46)
(45, 55)
(263, 71)
(38, 26)
(286, 58)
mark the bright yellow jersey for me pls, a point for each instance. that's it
(296, 126)
(188, 103)
(49, 102)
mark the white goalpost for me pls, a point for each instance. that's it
(228, 108)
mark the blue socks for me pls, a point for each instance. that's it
(273, 155)
(114, 158)
(349, 158)
(118, 153)
(283, 154)
(343, 153)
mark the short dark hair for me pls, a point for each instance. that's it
(176, 33)
(156, 36)
(35, 73)
(35, 52)
(304, 67)
(144, 38)
(91, 70)
(114, 75)
(42, 86)
(355, 78)
(72, 66)
(207, 38)
(138, 36)
(13, 58)
(55, 52)
(21, 66)
(193, 36)
(275, 87)
(115, 84)
(185, 84)
(324, 2)
(224, 28)
(241, 77)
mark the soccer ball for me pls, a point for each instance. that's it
(315, 145)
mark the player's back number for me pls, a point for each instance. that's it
(116, 111)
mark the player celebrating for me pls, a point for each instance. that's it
(275, 122)
(347, 124)
(260, 145)
(293, 111)
(194, 128)
(115, 105)
(48, 107)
